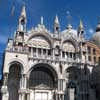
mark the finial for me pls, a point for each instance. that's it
(41, 20)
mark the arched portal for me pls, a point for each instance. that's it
(42, 81)
(43, 76)
(14, 77)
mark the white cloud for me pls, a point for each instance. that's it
(91, 31)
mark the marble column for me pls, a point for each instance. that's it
(25, 81)
(32, 52)
(23, 96)
(20, 96)
(4, 89)
(28, 96)
(53, 53)
(5, 79)
(41, 52)
(71, 93)
(37, 52)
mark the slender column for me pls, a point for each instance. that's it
(37, 52)
(21, 82)
(68, 56)
(62, 97)
(65, 55)
(56, 96)
(72, 56)
(23, 96)
(28, 96)
(58, 84)
(32, 52)
(71, 94)
(46, 52)
(4, 89)
(5, 79)
(53, 53)
(41, 51)
(19, 96)
(24, 81)
(61, 54)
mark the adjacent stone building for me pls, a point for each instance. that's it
(44, 65)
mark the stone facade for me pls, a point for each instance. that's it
(44, 65)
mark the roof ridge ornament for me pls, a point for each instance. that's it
(69, 26)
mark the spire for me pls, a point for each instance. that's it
(80, 29)
(22, 20)
(23, 12)
(81, 25)
(56, 25)
(56, 20)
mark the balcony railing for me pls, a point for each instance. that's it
(52, 58)
(18, 49)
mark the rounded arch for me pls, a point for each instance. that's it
(73, 42)
(18, 61)
(14, 77)
(42, 74)
(49, 66)
(46, 36)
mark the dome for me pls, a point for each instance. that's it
(98, 27)
(69, 32)
(96, 36)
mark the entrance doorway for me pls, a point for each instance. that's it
(41, 96)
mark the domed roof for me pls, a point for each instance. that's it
(98, 27)
(69, 32)
(96, 36)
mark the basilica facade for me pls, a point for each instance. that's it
(44, 65)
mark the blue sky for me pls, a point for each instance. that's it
(87, 10)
